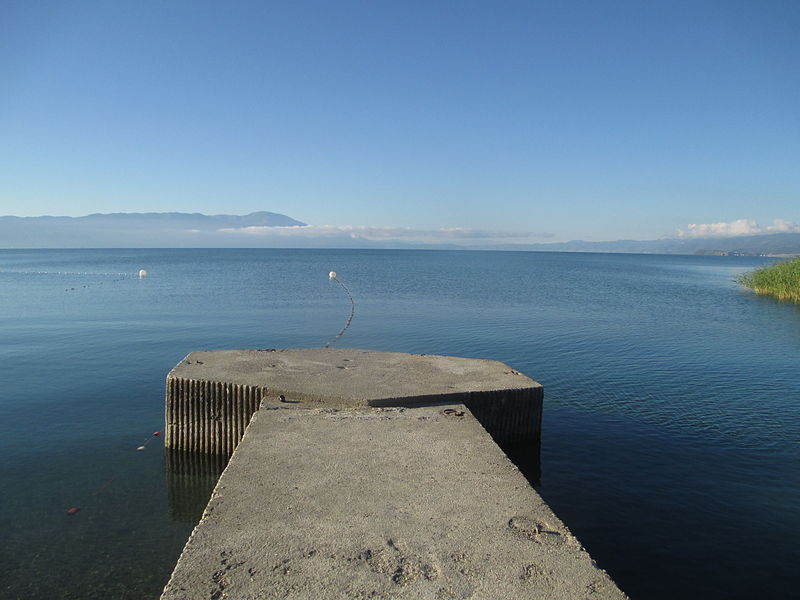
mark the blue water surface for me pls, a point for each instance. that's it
(672, 399)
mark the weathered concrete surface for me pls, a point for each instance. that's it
(359, 503)
(211, 395)
(350, 377)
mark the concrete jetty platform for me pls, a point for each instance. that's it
(384, 487)
(212, 395)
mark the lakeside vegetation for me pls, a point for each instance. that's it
(781, 279)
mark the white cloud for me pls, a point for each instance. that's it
(382, 233)
(738, 227)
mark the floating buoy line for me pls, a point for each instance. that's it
(140, 274)
(117, 277)
(60, 272)
(74, 510)
(150, 437)
(332, 277)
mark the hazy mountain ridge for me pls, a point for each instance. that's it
(114, 230)
(261, 218)
(196, 230)
(772, 243)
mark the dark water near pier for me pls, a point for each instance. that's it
(672, 399)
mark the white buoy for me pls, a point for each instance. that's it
(332, 275)
(142, 273)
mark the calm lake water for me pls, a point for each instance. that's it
(672, 399)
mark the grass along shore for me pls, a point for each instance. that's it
(781, 279)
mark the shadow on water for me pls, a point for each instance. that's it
(527, 458)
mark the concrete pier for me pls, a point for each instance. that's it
(211, 396)
(369, 475)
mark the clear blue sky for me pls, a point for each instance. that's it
(593, 120)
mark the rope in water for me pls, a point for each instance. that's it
(141, 274)
(74, 510)
(332, 277)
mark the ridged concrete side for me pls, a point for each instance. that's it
(208, 416)
(512, 417)
(211, 395)
(211, 416)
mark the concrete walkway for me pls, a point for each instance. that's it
(381, 503)
(333, 494)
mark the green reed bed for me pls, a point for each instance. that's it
(781, 279)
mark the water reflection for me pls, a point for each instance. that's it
(191, 477)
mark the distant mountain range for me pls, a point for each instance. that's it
(765, 244)
(195, 230)
(130, 230)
